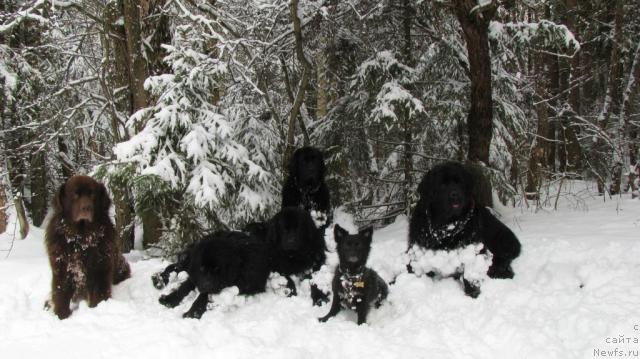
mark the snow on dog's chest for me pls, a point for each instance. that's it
(469, 259)
(319, 218)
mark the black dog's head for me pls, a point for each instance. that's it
(292, 229)
(82, 200)
(353, 249)
(307, 168)
(447, 192)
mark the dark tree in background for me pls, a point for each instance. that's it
(474, 20)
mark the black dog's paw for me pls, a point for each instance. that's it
(500, 271)
(159, 281)
(291, 292)
(324, 319)
(471, 289)
(193, 314)
(318, 296)
(168, 301)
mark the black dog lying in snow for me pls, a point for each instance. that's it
(297, 248)
(290, 244)
(354, 285)
(446, 218)
(305, 186)
(218, 261)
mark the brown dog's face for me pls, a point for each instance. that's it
(82, 200)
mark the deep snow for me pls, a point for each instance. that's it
(575, 295)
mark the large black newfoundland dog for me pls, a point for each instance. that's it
(305, 186)
(446, 217)
(219, 260)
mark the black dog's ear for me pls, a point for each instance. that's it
(103, 201)
(293, 163)
(426, 185)
(323, 167)
(367, 234)
(470, 174)
(272, 230)
(339, 233)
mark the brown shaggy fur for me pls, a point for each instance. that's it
(82, 245)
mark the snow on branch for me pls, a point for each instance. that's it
(544, 35)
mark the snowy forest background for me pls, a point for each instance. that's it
(189, 110)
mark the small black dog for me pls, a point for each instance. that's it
(305, 186)
(354, 285)
(297, 248)
(219, 260)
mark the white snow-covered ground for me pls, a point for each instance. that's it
(576, 294)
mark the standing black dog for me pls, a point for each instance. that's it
(446, 217)
(354, 285)
(305, 186)
(297, 247)
(218, 261)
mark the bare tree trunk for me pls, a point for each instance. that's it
(475, 25)
(124, 215)
(39, 200)
(574, 150)
(322, 93)
(287, 85)
(628, 98)
(116, 76)
(3, 209)
(21, 214)
(612, 98)
(538, 156)
(407, 127)
(151, 228)
(304, 82)
(132, 18)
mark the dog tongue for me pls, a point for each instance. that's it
(456, 205)
(353, 259)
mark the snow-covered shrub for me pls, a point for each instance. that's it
(186, 141)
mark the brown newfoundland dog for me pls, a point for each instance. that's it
(82, 245)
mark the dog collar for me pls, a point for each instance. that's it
(448, 231)
(352, 286)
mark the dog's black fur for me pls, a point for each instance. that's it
(297, 247)
(219, 260)
(354, 285)
(305, 186)
(447, 197)
(161, 279)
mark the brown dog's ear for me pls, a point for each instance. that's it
(103, 201)
(58, 200)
